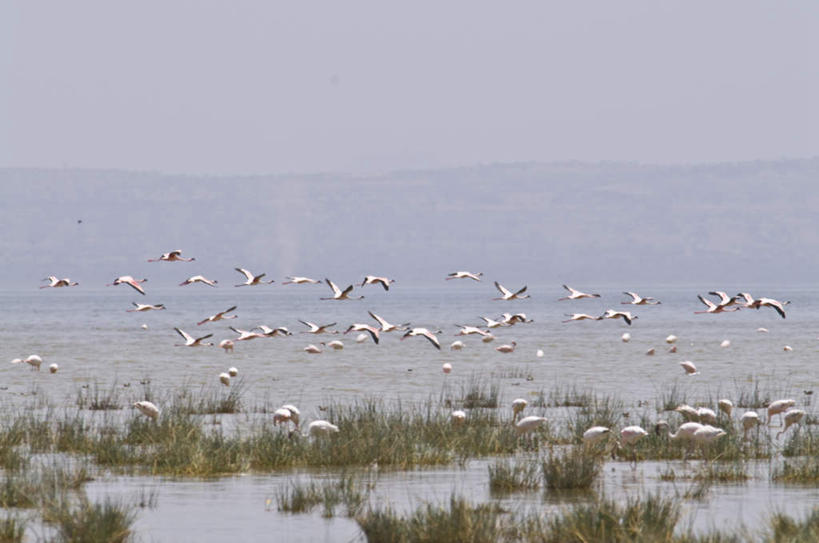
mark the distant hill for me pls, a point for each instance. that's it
(621, 223)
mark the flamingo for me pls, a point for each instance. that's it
(285, 414)
(714, 308)
(312, 349)
(671, 339)
(251, 279)
(359, 327)
(689, 367)
(319, 428)
(792, 416)
(748, 300)
(529, 424)
(375, 280)
(708, 434)
(34, 361)
(749, 419)
(626, 337)
(227, 345)
(468, 330)
(506, 348)
(688, 412)
(222, 315)
(339, 294)
(198, 279)
(518, 405)
(54, 282)
(464, 275)
(507, 294)
(625, 315)
(580, 317)
(446, 368)
(173, 256)
(576, 294)
(770, 302)
(246, 335)
(707, 415)
(629, 436)
(726, 406)
(190, 341)
(778, 407)
(458, 417)
(224, 378)
(335, 344)
(297, 280)
(510, 320)
(147, 408)
(128, 280)
(53, 368)
(386, 326)
(724, 299)
(636, 299)
(318, 329)
(685, 431)
(456, 345)
(145, 307)
(273, 332)
(423, 332)
(491, 323)
(595, 434)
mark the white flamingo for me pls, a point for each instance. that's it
(625, 315)
(318, 329)
(714, 308)
(198, 279)
(575, 294)
(251, 279)
(128, 280)
(173, 256)
(145, 307)
(222, 315)
(464, 275)
(246, 335)
(375, 280)
(386, 326)
(581, 317)
(190, 341)
(425, 333)
(147, 408)
(339, 294)
(298, 280)
(54, 282)
(778, 407)
(792, 416)
(507, 294)
(360, 327)
(636, 299)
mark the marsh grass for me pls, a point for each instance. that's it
(669, 398)
(12, 529)
(559, 396)
(302, 498)
(109, 521)
(605, 411)
(571, 470)
(785, 529)
(96, 399)
(514, 475)
(802, 443)
(31, 487)
(480, 394)
(722, 472)
(798, 471)
(515, 372)
(209, 401)
(458, 521)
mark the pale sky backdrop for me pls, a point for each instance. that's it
(229, 87)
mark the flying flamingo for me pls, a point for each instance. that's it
(144, 307)
(425, 333)
(190, 341)
(386, 326)
(128, 280)
(339, 294)
(576, 294)
(636, 299)
(297, 280)
(222, 315)
(714, 308)
(358, 327)
(625, 315)
(251, 279)
(580, 317)
(318, 329)
(507, 294)
(198, 279)
(464, 275)
(54, 282)
(374, 280)
(173, 256)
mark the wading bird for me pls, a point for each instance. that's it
(375, 280)
(576, 294)
(625, 315)
(386, 326)
(580, 317)
(360, 327)
(227, 345)
(190, 341)
(198, 279)
(251, 279)
(518, 405)
(246, 335)
(636, 299)
(222, 315)
(464, 275)
(339, 294)
(173, 256)
(507, 294)
(792, 416)
(714, 308)
(318, 329)
(425, 333)
(319, 428)
(689, 367)
(506, 348)
(296, 280)
(128, 280)
(224, 378)
(147, 408)
(750, 420)
(778, 407)
(529, 424)
(54, 282)
(145, 307)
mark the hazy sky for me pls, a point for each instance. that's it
(221, 87)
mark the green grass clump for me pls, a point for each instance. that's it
(573, 470)
(563, 397)
(802, 443)
(785, 529)
(650, 519)
(12, 529)
(478, 393)
(301, 498)
(210, 401)
(29, 488)
(511, 476)
(97, 399)
(798, 471)
(605, 411)
(108, 521)
(722, 472)
(459, 521)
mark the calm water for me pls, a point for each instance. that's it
(89, 334)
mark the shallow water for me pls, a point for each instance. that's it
(95, 342)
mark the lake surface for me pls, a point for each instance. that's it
(87, 331)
